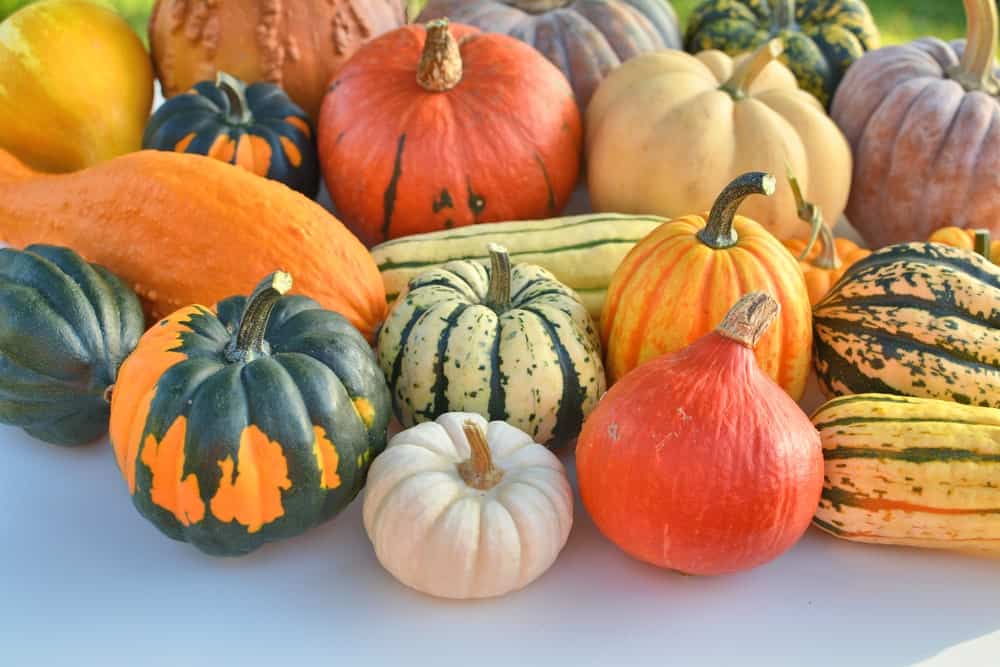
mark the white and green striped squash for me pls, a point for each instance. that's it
(511, 344)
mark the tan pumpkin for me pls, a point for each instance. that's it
(667, 131)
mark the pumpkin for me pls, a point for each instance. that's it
(824, 37)
(459, 508)
(678, 282)
(295, 44)
(977, 240)
(910, 471)
(512, 344)
(66, 328)
(249, 425)
(919, 118)
(697, 461)
(916, 319)
(63, 65)
(182, 228)
(417, 133)
(256, 127)
(667, 131)
(584, 38)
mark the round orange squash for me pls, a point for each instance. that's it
(968, 239)
(678, 283)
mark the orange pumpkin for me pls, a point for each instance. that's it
(966, 239)
(678, 283)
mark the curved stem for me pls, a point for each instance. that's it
(783, 13)
(478, 470)
(236, 92)
(440, 67)
(718, 233)
(982, 244)
(828, 257)
(738, 85)
(975, 72)
(810, 213)
(498, 295)
(750, 318)
(537, 6)
(248, 343)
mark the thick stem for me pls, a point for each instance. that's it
(982, 244)
(236, 92)
(750, 318)
(248, 343)
(440, 67)
(537, 6)
(498, 294)
(975, 72)
(478, 470)
(719, 232)
(743, 77)
(783, 15)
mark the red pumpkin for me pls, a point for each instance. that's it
(697, 461)
(431, 129)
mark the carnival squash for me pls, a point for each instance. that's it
(667, 131)
(584, 38)
(182, 228)
(295, 44)
(697, 461)
(920, 119)
(251, 425)
(76, 85)
(678, 283)
(977, 240)
(431, 129)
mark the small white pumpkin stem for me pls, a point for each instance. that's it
(440, 67)
(478, 470)
(750, 318)
(743, 77)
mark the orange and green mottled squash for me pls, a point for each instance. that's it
(251, 425)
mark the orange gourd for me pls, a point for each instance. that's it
(968, 239)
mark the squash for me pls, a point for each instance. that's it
(417, 133)
(256, 127)
(919, 118)
(667, 131)
(824, 37)
(251, 425)
(182, 228)
(581, 251)
(512, 344)
(697, 461)
(916, 319)
(910, 471)
(459, 508)
(66, 328)
(968, 239)
(678, 282)
(64, 65)
(585, 39)
(295, 44)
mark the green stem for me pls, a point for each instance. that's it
(981, 243)
(975, 72)
(783, 12)
(440, 66)
(743, 77)
(248, 343)
(498, 294)
(718, 233)
(236, 92)
(750, 318)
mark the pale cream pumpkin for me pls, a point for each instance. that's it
(667, 131)
(459, 508)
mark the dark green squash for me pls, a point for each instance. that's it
(822, 37)
(256, 127)
(253, 425)
(65, 328)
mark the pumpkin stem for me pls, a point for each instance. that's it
(478, 470)
(719, 232)
(743, 77)
(750, 318)
(975, 72)
(248, 343)
(498, 294)
(236, 92)
(981, 243)
(810, 213)
(783, 14)
(440, 67)
(537, 6)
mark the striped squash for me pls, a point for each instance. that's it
(581, 251)
(510, 344)
(917, 319)
(910, 471)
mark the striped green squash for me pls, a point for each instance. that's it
(917, 319)
(910, 471)
(513, 345)
(581, 251)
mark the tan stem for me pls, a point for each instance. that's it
(813, 215)
(750, 318)
(498, 294)
(478, 470)
(537, 6)
(743, 77)
(975, 72)
(981, 243)
(440, 67)
(828, 257)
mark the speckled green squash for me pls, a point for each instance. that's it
(917, 319)
(65, 328)
(822, 37)
(510, 344)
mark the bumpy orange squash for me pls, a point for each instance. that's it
(968, 239)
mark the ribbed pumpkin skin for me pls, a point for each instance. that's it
(917, 319)
(230, 456)
(65, 328)
(825, 39)
(910, 471)
(585, 39)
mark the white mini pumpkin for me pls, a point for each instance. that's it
(459, 508)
